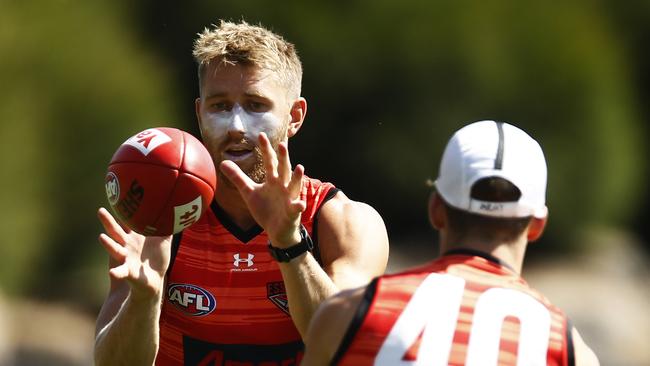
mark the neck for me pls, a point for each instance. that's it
(511, 253)
(229, 199)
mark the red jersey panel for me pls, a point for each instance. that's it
(462, 309)
(225, 300)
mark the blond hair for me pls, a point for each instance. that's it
(249, 45)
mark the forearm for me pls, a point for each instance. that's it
(307, 286)
(132, 337)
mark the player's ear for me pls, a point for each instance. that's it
(437, 212)
(297, 112)
(536, 228)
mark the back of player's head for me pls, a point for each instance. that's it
(462, 223)
(493, 180)
(493, 149)
(248, 45)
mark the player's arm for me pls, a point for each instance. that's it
(584, 356)
(127, 330)
(353, 245)
(329, 325)
(352, 236)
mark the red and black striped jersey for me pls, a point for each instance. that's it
(466, 308)
(225, 301)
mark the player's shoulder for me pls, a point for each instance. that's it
(316, 194)
(414, 272)
(524, 287)
(310, 184)
(335, 201)
(353, 228)
(340, 206)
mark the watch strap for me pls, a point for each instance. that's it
(287, 254)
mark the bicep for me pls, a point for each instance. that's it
(353, 242)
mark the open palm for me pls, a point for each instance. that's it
(140, 260)
(275, 204)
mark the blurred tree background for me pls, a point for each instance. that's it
(387, 83)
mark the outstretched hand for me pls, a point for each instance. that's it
(141, 261)
(275, 204)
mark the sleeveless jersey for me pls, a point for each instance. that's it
(225, 301)
(462, 309)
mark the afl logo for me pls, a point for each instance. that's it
(191, 300)
(112, 188)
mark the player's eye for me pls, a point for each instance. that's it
(220, 106)
(254, 106)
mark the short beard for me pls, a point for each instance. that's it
(258, 173)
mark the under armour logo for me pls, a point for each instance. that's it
(249, 260)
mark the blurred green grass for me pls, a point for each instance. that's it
(387, 83)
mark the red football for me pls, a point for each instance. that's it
(160, 181)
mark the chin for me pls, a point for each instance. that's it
(254, 170)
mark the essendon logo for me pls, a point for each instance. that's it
(190, 299)
(112, 188)
(276, 292)
(147, 140)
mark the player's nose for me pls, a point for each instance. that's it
(236, 134)
(237, 127)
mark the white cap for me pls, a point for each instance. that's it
(493, 149)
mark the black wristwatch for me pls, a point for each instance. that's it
(287, 254)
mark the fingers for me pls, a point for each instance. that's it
(284, 164)
(269, 156)
(297, 207)
(237, 177)
(115, 250)
(295, 185)
(120, 272)
(111, 226)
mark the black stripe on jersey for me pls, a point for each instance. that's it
(314, 228)
(498, 162)
(357, 320)
(478, 253)
(243, 235)
(198, 352)
(570, 350)
(176, 243)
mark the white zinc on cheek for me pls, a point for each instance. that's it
(239, 119)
